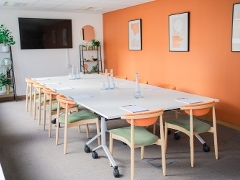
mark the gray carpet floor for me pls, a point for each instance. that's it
(27, 153)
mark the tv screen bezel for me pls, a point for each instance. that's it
(61, 37)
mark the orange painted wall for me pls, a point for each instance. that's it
(209, 68)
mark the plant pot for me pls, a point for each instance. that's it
(7, 89)
(5, 48)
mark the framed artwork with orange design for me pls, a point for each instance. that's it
(179, 32)
(135, 34)
(235, 46)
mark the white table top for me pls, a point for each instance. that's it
(87, 92)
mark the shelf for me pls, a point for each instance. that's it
(5, 69)
(87, 64)
(7, 95)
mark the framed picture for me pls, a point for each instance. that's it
(235, 47)
(179, 32)
(135, 34)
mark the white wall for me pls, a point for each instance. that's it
(47, 62)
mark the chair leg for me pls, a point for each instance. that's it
(154, 128)
(110, 146)
(192, 149)
(142, 152)
(166, 136)
(65, 139)
(49, 124)
(34, 106)
(39, 111)
(87, 130)
(215, 143)
(79, 128)
(30, 100)
(27, 98)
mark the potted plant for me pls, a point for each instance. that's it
(4, 81)
(95, 43)
(5, 38)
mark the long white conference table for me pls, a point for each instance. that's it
(87, 92)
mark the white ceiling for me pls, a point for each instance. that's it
(76, 6)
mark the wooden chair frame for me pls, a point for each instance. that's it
(69, 104)
(196, 109)
(141, 117)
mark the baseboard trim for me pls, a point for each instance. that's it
(223, 123)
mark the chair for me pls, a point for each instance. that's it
(138, 136)
(121, 77)
(37, 99)
(167, 86)
(74, 119)
(50, 96)
(190, 125)
(29, 94)
(143, 81)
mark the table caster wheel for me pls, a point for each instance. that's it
(206, 148)
(94, 155)
(87, 149)
(169, 132)
(116, 172)
(176, 136)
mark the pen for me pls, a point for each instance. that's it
(127, 105)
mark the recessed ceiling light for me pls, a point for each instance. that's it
(16, 4)
(89, 8)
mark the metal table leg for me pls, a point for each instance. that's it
(104, 146)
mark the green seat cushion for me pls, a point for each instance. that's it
(42, 99)
(78, 116)
(54, 107)
(142, 136)
(184, 122)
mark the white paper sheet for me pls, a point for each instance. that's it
(133, 108)
(188, 100)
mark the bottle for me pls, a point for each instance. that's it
(106, 82)
(111, 81)
(137, 90)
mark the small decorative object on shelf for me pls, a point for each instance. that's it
(5, 38)
(137, 90)
(6, 61)
(95, 44)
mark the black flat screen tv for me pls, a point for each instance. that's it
(36, 33)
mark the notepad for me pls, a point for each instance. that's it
(62, 88)
(188, 100)
(133, 108)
